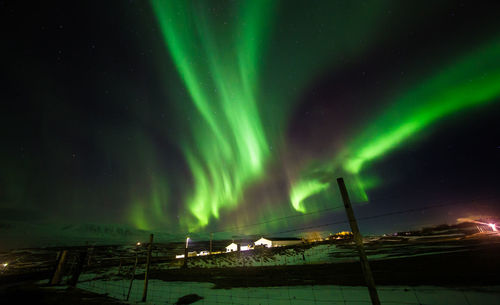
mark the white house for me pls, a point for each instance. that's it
(264, 242)
(268, 243)
(232, 247)
(246, 248)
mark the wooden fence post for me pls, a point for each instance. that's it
(56, 277)
(82, 257)
(211, 237)
(358, 239)
(148, 263)
(186, 254)
(133, 274)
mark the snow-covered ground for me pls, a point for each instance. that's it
(330, 253)
(160, 292)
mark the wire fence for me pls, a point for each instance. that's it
(160, 292)
(123, 278)
(126, 283)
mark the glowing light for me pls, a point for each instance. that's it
(5, 264)
(138, 244)
(493, 227)
(187, 242)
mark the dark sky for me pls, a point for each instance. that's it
(98, 122)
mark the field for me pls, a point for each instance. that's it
(456, 264)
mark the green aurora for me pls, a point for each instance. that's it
(468, 81)
(229, 148)
(239, 115)
(236, 116)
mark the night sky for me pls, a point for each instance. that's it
(202, 116)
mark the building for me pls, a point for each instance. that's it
(246, 247)
(341, 235)
(277, 242)
(264, 242)
(232, 247)
(242, 246)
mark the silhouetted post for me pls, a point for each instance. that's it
(90, 252)
(120, 266)
(82, 257)
(211, 237)
(148, 262)
(185, 265)
(358, 239)
(56, 277)
(133, 274)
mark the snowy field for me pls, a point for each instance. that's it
(332, 252)
(160, 292)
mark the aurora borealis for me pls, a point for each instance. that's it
(470, 80)
(228, 147)
(198, 116)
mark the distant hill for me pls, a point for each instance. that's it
(30, 235)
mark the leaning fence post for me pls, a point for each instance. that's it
(133, 274)
(148, 262)
(358, 239)
(82, 256)
(56, 277)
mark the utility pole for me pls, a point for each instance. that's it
(358, 239)
(211, 237)
(148, 263)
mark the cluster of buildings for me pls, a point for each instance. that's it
(271, 242)
(264, 243)
(249, 245)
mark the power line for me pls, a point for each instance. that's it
(277, 219)
(448, 203)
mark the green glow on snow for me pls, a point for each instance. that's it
(470, 81)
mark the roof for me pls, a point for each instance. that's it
(282, 238)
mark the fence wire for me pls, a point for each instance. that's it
(161, 292)
(114, 280)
